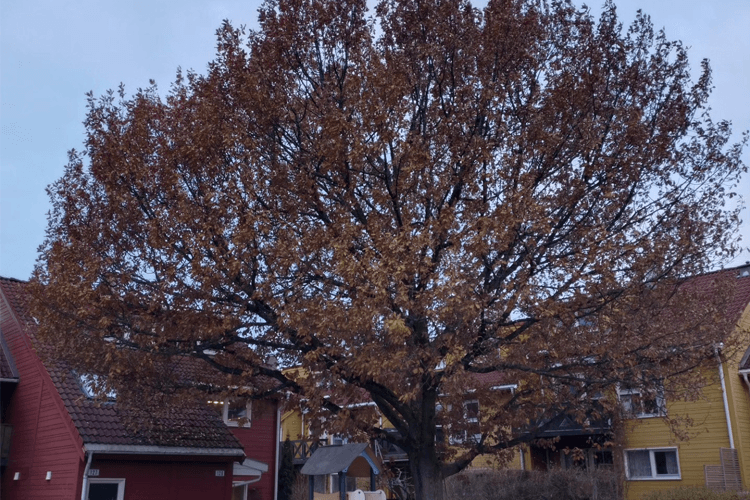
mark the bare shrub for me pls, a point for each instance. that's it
(556, 484)
(300, 490)
(693, 493)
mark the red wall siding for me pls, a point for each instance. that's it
(168, 479)
(43, 435)
(260, 441)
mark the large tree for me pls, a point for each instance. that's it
(399, 203)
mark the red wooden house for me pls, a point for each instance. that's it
(58, 442)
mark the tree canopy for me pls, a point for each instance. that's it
(404, 203)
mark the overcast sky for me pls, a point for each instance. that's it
(54, 51)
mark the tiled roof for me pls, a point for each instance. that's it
(740, 300)
(110, 424)
(13, 290)
(738, 278)
(7, 366)
(491, 379)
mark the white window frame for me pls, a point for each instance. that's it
(235, 423)
(661, 404)
(466, 411)
(244, 490)
(337, 437)
(463, 436)
(120, 485)
(654, 475)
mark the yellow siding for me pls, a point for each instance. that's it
(708, 434)
(291, 425)
(491, 462)
(739, 398)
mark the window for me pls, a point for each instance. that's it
(105, 489)
(239, 492)
(236, 412)
(338, 440)
(652, 464)
(439, 434)
(586, 459)
(471, 411)
(603, 459)
(471, 417)
(641, 404)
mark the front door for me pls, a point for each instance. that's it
(105, 489)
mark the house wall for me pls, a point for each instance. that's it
(291, 426)
(171, 478)
(44, 437)
(710, 426)
(260, 441)
(511, 459)
(707, 434)
(739, 396)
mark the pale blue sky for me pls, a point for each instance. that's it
(53, 51)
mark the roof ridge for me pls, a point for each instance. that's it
(17, 280)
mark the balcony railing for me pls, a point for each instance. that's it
(303, 448)
(388, 451)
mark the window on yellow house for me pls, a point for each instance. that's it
(471, 417)
(637, 403)
(586, 459)
(650, 464)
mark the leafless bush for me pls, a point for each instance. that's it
(533, 485)
(693, 494)
(300, 490)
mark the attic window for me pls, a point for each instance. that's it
(94, 386)
(236, 412)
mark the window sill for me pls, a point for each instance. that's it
(642, 416)
(663, 478)
(236, 424)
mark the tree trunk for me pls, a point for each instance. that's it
(427, 476)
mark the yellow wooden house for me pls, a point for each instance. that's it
(717, 451)
(711, 447)
(650, 454)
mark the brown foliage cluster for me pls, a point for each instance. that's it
(402, 203)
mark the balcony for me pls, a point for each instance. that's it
(303, 448)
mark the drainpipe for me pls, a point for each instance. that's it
(278, 437)
(724, 395)
(86, 476)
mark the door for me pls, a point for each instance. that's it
(105, 489)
